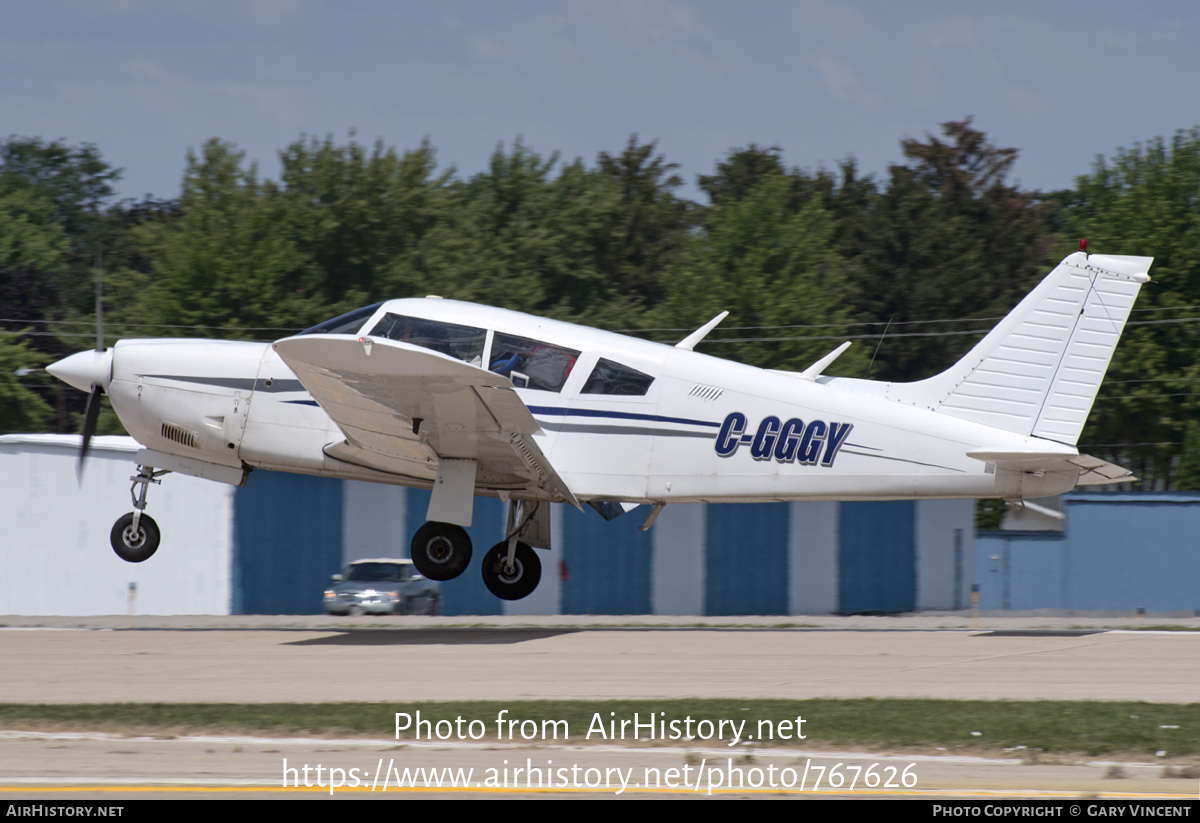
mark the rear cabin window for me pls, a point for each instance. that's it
(463, 343)
(610, 377)
(532, 364)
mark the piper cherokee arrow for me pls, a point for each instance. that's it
(469, 400)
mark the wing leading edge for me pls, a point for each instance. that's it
(403, 409)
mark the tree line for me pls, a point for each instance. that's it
(913, 264)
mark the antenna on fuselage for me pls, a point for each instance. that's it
(877, 345)
(814, 371)
(689, 343)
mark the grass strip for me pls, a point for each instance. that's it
(1092, 728)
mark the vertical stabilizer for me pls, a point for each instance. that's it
(1037, 372)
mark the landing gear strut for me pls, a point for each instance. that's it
(441, 551)
(135, 536)
(511, 568)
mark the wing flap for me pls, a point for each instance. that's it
(402, 408)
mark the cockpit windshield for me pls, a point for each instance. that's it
(463, 343)
(349, 323)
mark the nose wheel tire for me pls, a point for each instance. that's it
(441, 551)
(134, 545)
(511, 582)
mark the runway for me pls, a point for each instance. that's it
(418, 660)
(530, 663)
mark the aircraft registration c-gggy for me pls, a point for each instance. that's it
(470, 400)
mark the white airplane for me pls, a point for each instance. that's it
(470, 400)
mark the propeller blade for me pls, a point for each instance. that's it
(90, 416)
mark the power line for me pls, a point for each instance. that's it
(88, 323)
(856, 324)
(709, 341)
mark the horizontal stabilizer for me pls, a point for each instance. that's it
(1092, 470)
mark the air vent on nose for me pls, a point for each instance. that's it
(179, 434)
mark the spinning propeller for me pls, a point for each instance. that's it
(92, 412)
(88, 371)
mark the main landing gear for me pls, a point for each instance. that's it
(135, 536)
(511, 569)
(441, 551)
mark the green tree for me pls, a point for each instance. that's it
(1144, 201)
(75, 184)
(946, 237)
(769, 266)
(76, 180)
(227, 266)
(741, 172)
(32, 249)
(22, 408)
(1188, 474)
(647, 229)
(518, 236)
(359, 215)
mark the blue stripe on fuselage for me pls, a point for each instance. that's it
(565, 412)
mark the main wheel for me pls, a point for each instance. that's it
(134, 546)
(517, 581)
(441, 551)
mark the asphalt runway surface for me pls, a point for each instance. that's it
(405, 661)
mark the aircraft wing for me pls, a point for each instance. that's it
(404, 408)
(1092, 470)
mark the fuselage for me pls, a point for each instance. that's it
(622, 419)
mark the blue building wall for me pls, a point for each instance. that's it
(287, 541)
(1117, 551)
(1019, 570)
(608, 564)
(746, 559)
(290, 532)
(1128, 551)
(877, 557)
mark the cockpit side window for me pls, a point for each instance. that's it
(610, 377)
(463, 343)
(532, 364)
(348, 323)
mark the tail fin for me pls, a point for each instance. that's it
(1037, 372)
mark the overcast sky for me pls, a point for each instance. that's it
(146, 80)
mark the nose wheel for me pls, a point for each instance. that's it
(134, 538)
(515, 578)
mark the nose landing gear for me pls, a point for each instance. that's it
(135, 536)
